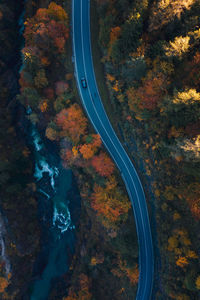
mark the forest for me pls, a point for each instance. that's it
(147, 63)
(150, 63)
(106, 259)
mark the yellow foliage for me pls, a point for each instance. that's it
(178, 158)
(177, 251)
(176, 216)
(43, 106)
(165, 11)
(169, 193)
(182, 297)
(99, 259)
(120, 97)
(93, 261)
(110, 77)
(189, 96)
(182, 261)
(172, 243)
(192, 254)
(57, 11)
(116, 86)
(75, 151)
(139, 117)
(198, 282)
(175, 132)
(164, 206)
(185, 240)
(178, 47)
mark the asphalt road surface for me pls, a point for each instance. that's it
(92, 103)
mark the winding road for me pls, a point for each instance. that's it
(92, 103)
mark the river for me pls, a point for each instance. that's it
(58, 209)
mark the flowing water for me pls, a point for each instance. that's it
(58, 214)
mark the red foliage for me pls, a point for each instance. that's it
(193, 130)
(109, 203)
(49, 93)
(103, 164)
(151, 92)
(23, 83)
(48, 25)
(42, 14)
(61, 87)
(192, 70)
(96, 140)
(192, 195)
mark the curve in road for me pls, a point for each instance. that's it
(92, 103)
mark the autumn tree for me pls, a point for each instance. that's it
(47, 26)
(192, 195)
(72, 122)
(103, 164)
(178, 47)
(149, 94)
(165, 11)
(82, 289)
(93, 142)
(198, 282)
(109, 202)
(3, 284)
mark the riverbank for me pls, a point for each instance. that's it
(20, 240)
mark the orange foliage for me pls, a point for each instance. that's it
(45, 61)
(49, 24)
(98, 259)
(3, 284)
(43, 106)
(57, 11)
(109, 202)
(96, 140)
(110, 77)
(83, 292)
(72, 122)
(87, 150)
(51, 134)
(149, 94)
(114, 34)
(103, 164)
(192, 195)
(133, 275)
(182, 262)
